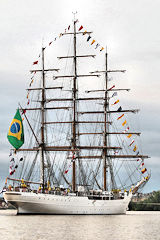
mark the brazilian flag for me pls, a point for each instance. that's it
(15, 134)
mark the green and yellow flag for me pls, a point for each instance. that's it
(15, 134)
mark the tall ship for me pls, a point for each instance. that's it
(74, 149)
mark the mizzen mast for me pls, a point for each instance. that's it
(43, 101)
(41, 145)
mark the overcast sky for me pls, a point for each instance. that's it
(131, 31)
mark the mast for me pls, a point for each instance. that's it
(42, 121)
(74, 110)
(107, 161)
(105, 128)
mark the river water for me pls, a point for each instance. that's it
(132, 226)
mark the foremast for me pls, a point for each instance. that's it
(105, 151)
(106, 156)
(107, 162)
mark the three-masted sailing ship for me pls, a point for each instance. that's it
(80, 156)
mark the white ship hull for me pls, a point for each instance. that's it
(32, 203)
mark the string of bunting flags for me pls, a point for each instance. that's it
(13, 165)
(96, 44)
(51, 42)
(124, 123)
(70, 164)
(67, 29)
(37, 61)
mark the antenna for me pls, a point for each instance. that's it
(74, 14)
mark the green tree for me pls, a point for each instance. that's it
(147, 205)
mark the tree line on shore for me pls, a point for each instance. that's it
(152, 203)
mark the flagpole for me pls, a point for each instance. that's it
(29, 123)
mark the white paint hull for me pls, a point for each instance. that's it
(32, 203)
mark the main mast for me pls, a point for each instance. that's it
(74, 110)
